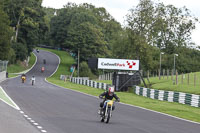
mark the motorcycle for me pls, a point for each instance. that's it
(106, 112)
(44, 61)
(37, 50)
(33, 81)
(23, 79)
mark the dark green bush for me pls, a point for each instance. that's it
(85, 71)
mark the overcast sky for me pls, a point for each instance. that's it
(119, 8)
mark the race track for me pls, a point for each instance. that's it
(60, 110)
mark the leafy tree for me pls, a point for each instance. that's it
(5, 35)
(84, 27)
(49, 14)
(141, 19)
(173, 27)
(120, 45)
(85, 70)
(140, 32)
(20, 50)
(89, 39)
(166, 27)
(27, 17)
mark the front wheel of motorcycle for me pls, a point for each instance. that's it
(108, 117)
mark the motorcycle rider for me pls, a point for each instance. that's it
(44, 61)
(108, 95)
(42, 69)
(23, 77)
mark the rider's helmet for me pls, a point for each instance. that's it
(111, 91)
(23, 76)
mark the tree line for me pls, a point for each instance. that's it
(150, 28)
(23, 26)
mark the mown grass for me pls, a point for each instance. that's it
(18, 67)
(185, 84)
(175, 109)
(5, 98)
(182, 86)
(11, 75)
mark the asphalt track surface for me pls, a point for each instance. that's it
(60, 110)
(11, 121)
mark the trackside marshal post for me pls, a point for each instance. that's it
(118, 64)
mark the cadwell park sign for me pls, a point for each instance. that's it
(118, 64)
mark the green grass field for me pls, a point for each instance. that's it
(175, 109)
(182, 86)
(167, 84)
(19, 67)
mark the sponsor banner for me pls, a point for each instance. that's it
(119, 64)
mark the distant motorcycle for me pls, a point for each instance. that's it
(44, 61)
(23, 79)
(33, 81)
(37, 50)
(106, 113)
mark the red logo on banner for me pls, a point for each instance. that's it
(131, 64)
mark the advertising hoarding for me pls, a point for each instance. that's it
(118, 64)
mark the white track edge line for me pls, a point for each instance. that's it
(15, 105)
(8, 104)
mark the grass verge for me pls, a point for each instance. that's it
(185, 84)
(20, 67)
(5, 98)
(175, 109)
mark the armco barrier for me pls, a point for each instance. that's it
(90, 83)
(170, 96)
(2, 76)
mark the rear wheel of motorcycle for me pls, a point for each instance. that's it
(108, 117)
